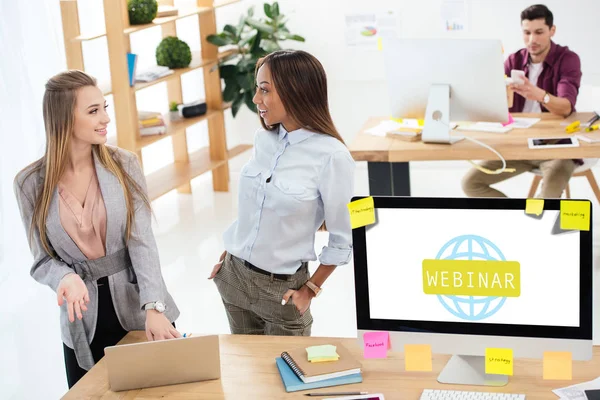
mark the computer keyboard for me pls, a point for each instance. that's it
(429, 394)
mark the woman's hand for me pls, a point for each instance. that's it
(218, 265)
(301, 297)
(72, 289)
(158, 327)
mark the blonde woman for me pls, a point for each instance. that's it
(88, 219)
(300, 176)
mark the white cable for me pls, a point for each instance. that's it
(490, 148)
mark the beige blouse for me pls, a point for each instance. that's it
(85, 225)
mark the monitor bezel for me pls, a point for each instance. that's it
(365, 323)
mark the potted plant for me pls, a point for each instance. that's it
(253, 38)
(174, 114)
(173, 53)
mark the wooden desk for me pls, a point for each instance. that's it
(388, 157)
(248, 371)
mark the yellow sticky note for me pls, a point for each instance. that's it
(323, 359)
(421, 122)
(534, 206)
(362, 212)
(379, 44)
(575, 215)
(324, 351)
(558, 365)
(417, 357)
(499, 361)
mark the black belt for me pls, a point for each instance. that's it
(281, 277)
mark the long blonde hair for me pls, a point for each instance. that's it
(59, 103)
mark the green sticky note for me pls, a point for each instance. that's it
(324, 351)
(575, 215)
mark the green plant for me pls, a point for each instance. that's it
(173, 53)
(173, 106)
(141, 11)
(253, 38)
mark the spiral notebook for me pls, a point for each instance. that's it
(292, 383)
(314, 372)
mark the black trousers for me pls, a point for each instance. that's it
(108, 333)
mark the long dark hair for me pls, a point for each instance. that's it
(301, 83)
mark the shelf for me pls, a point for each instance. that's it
(174, 128)
(183, 13)
(85, 38)
(224, 3)
(179, 173)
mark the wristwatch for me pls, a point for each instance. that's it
(546, 98)
(157, 305)
(317, 290)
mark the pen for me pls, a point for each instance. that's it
(336, 394)
(592, 128)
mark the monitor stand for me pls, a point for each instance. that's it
(469, 370)
(437, 116)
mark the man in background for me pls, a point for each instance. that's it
(551, 84)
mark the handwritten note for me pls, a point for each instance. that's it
(417, 357)
(575, 215)
(558, 365)
(534, 206)
(376, 344)
(362, 212)
(326, 352)
(499, 361)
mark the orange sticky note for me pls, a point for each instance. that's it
(558, 365)
(534, 206)
(362, 212)
(417, 357)
(376, 344)
(575, 215)
(499, 361)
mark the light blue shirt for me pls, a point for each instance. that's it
(293, 183)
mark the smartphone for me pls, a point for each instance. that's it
(552, 143)
(517, 76)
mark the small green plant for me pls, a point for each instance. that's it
(253, 38)
(141, 11)
(173, 53)
(173, 106)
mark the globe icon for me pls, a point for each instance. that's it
(471, 247)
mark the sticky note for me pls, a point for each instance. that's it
(534, 206)
(499, 361)
(575, 215)
(558, 365)
(379, 44)
(376, 344)
(322, 353)
(362, 212)
(417, 357)
(421, 122)
(510, 120)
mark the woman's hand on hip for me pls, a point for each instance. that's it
(217, 266)
(301, 298)
(72, 289)
(158, 327)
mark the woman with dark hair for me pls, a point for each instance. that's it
(300, 178)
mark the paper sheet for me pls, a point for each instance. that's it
(524, 123)
(576, 392)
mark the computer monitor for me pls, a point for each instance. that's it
(443, 80)
(466, 274)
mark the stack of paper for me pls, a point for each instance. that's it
(577, 392)
(322, 353)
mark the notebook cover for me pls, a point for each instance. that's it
(292, 383)
(345, 363)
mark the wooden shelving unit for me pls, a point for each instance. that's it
(215, 157)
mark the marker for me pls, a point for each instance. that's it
(592, 128)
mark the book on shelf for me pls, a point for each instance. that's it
(153, 130)
(131, 67)
(153, 73)
(151, 123)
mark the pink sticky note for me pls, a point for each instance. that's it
(510, 120)
(376, 344)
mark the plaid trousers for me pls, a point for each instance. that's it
(253, 301)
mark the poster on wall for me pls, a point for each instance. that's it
(363, 30)
(454, 16)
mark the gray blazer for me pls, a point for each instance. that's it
(130, 288)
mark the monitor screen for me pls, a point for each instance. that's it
(519, 272)
(472, 268)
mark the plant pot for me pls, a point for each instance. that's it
(174, 115)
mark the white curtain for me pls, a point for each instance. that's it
(31, 51)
